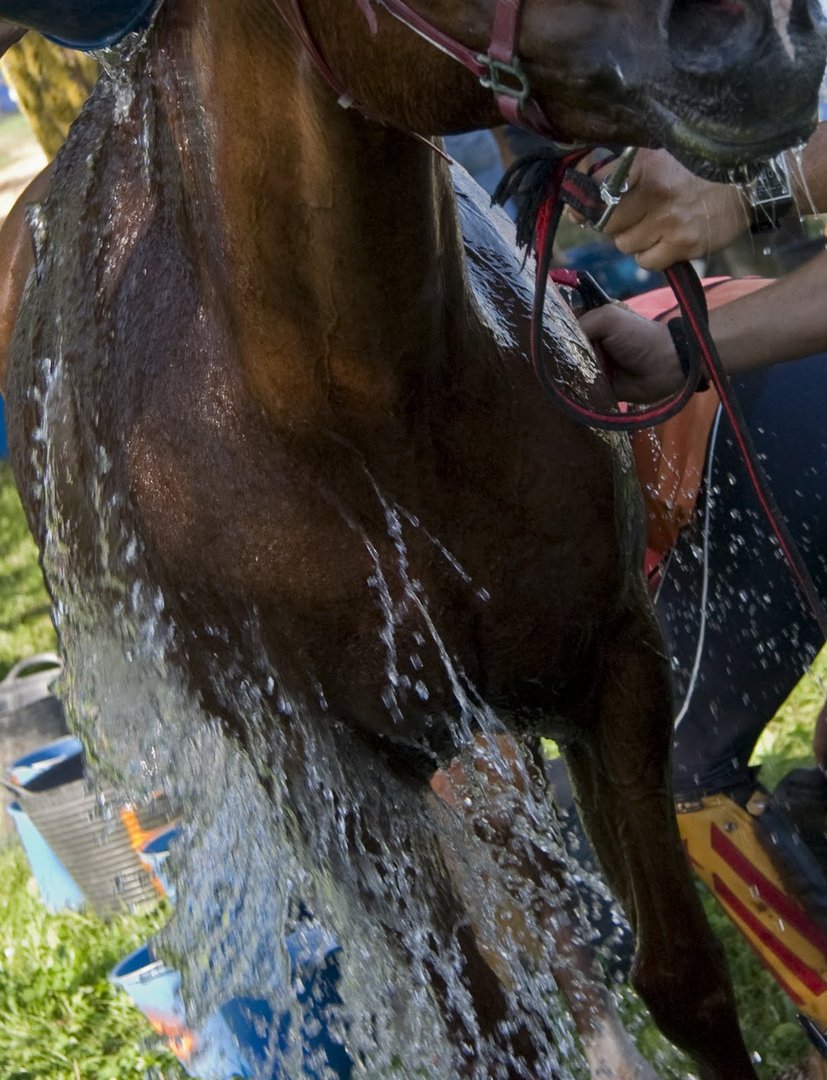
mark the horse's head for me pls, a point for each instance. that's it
(720, 83)
(717, 82)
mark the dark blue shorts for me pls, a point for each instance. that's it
(738, 632)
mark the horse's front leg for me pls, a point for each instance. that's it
(619, 763)
(531, 910)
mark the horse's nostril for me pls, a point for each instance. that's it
(698, 30)
(733, 8)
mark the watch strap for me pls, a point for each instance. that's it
(770, 195)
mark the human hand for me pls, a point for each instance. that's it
(642, 363)
(669, 215)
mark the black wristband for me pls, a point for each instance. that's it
(685, 349)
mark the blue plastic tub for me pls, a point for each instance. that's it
(49, 766)
(154, 855)
(313, 958)
(57, 887)
(212, 1052)
(244, 1034)
(240, 1038)
(4, 444)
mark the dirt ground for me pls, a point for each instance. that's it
(20, 159)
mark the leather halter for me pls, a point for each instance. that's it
(498, 70)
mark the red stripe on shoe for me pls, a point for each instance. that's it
(780, 903)
(794, 964)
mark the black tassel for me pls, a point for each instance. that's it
(527, 182)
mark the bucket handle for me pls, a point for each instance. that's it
(38, 660)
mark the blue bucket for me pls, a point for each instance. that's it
(250, 1023)
(238, 1039)
(79, 24)
(211, 1052)
(57, 887)
(49, 766)
(154, 854)
(262, 1036)
(4, 442)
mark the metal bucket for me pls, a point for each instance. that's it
(91, 833)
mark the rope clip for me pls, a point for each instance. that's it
(615, 186)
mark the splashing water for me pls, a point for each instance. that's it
(262, 854)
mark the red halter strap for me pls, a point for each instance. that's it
(292, 14)
(499, 69)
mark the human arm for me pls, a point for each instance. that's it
(669, 214)
(784, 321)
(9, 35)
(16, 260)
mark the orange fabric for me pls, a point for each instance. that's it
(670, 457)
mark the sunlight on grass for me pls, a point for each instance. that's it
(25, 623)
(786, 741)
(61, 1017)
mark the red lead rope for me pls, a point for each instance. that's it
(547, 221)
(692, 303)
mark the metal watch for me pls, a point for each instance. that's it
(770, 195)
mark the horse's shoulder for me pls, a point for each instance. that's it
(496, 270)
(502, 283)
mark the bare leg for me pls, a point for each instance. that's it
(620, 770)
(9, 35)
(16, 259)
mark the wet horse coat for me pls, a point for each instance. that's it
(263, 382)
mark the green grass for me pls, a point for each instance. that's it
(786, 741)
(61, 1017)
(62, 1020)
(25, 624)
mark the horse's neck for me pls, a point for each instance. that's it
(339, 248)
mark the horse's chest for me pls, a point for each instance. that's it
(388, 580)
(387, 586)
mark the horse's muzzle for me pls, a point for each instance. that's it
(745, 78)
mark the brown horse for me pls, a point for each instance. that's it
(275, 432)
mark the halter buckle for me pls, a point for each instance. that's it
(505, 79)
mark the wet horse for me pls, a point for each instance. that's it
(271, 416)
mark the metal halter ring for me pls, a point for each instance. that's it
(516, 86)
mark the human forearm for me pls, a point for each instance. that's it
(808, 173)
(9, 35)
(784, 321)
